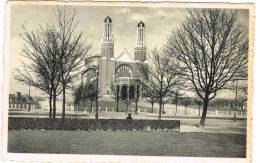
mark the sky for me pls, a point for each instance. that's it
(159, 23)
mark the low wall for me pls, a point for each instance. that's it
(15, 123)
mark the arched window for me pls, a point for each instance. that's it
(124, 71)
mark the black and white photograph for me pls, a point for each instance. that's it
(139, 79)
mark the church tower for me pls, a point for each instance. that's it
(140, 50)
(107, 62)
(107, 47)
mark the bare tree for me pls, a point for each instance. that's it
(137, 96)
(41, 71)
(243, 97)
(151, 94)
(239, 90)
(86, 92)
(117, 97)
(91, 93)
(72, 48)
(57, 55)
(159, 75)
(115, 90)
(211, 47)
(186, 103)
(199, 102)
(240, 94)
(77, 96)
(174, 96)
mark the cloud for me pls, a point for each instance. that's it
(138, 17)
(123, 10)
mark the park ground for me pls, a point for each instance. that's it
(218, 138)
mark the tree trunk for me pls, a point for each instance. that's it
(29, 108)
(235, 114)
(160, 108)
(91, 104)
(236, 105)
(176, 108)
(63, 101)
(50, 105)
(96, 115)
(84, 101)
(54, 106)
(126, 109)
(199, 109)
(152, 105)
(136, 102)
(185, 109)
(117, 101)
(204, 112)
(163, 105)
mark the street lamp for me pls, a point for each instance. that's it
(97, 73)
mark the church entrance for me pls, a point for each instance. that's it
(124, 92)
(127, 91)
(127, 88)
(131, 92)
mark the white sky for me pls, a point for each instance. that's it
(159, 24)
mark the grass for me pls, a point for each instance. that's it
(218, 138)
(128, 143)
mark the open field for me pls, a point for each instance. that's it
(128, 143)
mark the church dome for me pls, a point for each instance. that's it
(141, 24)
(108, 19)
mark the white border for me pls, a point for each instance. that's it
(256, 121)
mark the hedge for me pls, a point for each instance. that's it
(17, 123)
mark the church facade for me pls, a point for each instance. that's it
(119, 76)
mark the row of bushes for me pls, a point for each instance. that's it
(16, 123)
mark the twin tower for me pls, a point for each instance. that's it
(107, 47)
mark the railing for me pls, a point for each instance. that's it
(124, 80)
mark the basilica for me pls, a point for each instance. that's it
(119, 76)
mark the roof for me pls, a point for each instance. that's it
(125, 57)
(112, 59)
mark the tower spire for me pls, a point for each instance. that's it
(108, 37)
(107, 62)
(107, 49)
(140, 50)
(141, 34)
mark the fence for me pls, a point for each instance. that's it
(23, 106)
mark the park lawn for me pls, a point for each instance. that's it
(197, 144)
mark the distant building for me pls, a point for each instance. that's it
(118, 75)
(19, 101)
